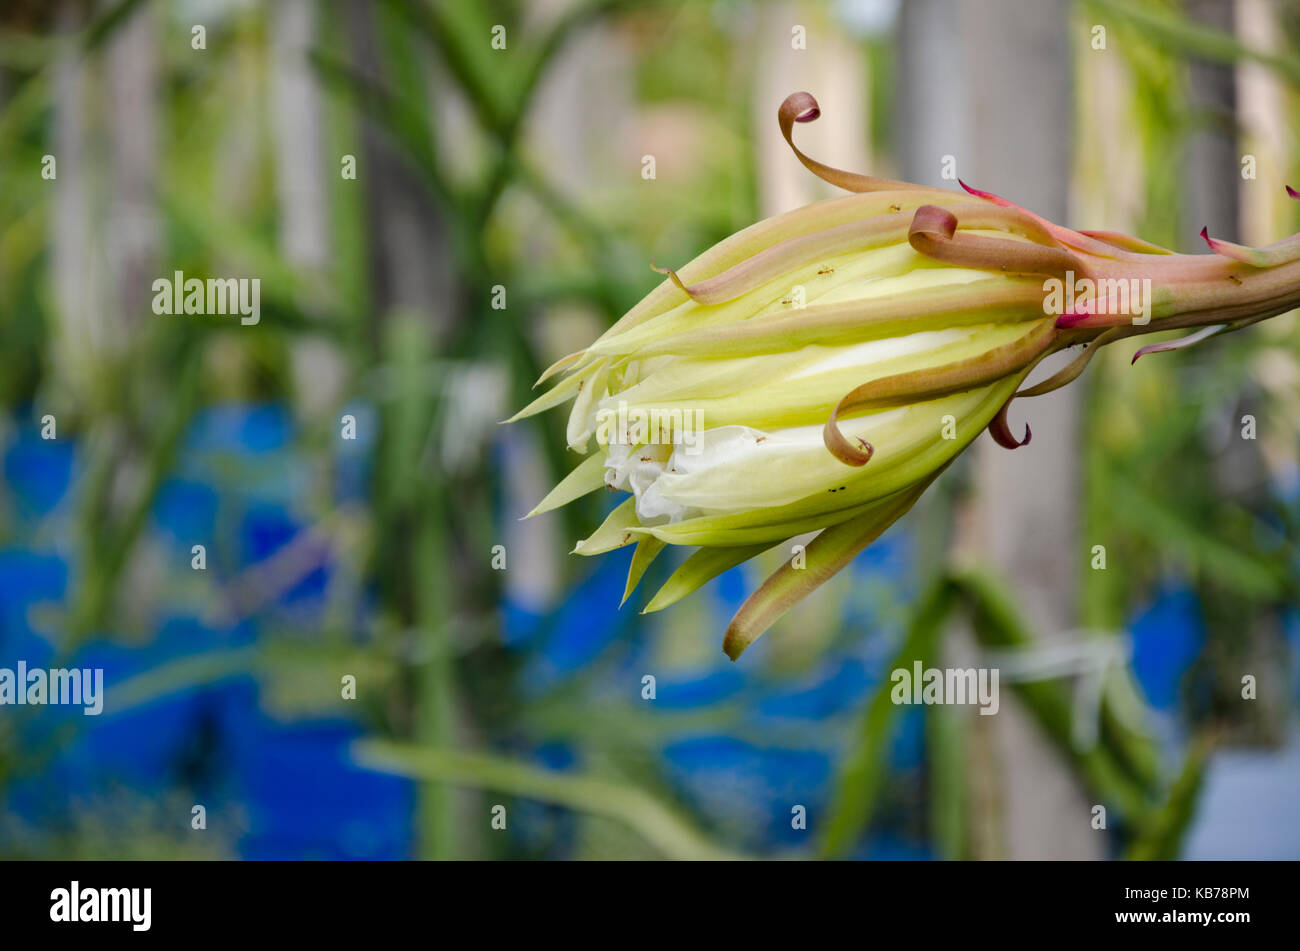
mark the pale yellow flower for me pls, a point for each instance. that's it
(818, 370)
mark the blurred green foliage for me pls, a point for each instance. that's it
(1151, 495)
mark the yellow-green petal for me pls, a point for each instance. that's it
(703, 566)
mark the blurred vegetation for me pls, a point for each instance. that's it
(458, 120)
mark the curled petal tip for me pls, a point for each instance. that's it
(1292, 192)
(932, 219)
(1013, 443)
(1001, 431)
(858, 455)
(934, 233)
(843, 450)
(1205, 234)
(802, 107)
(799, 107)
(672, 276)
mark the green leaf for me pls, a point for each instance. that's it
(863, 772)
(1161, 836)
(655, 822)
(1169, 530)
(947, 732)
(997, 623)
(1182, 35)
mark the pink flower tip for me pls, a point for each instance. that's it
(980, 193)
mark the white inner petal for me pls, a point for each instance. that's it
(876, 351)
(657, 475)
(637, 470)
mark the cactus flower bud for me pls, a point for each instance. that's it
(818, 370)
